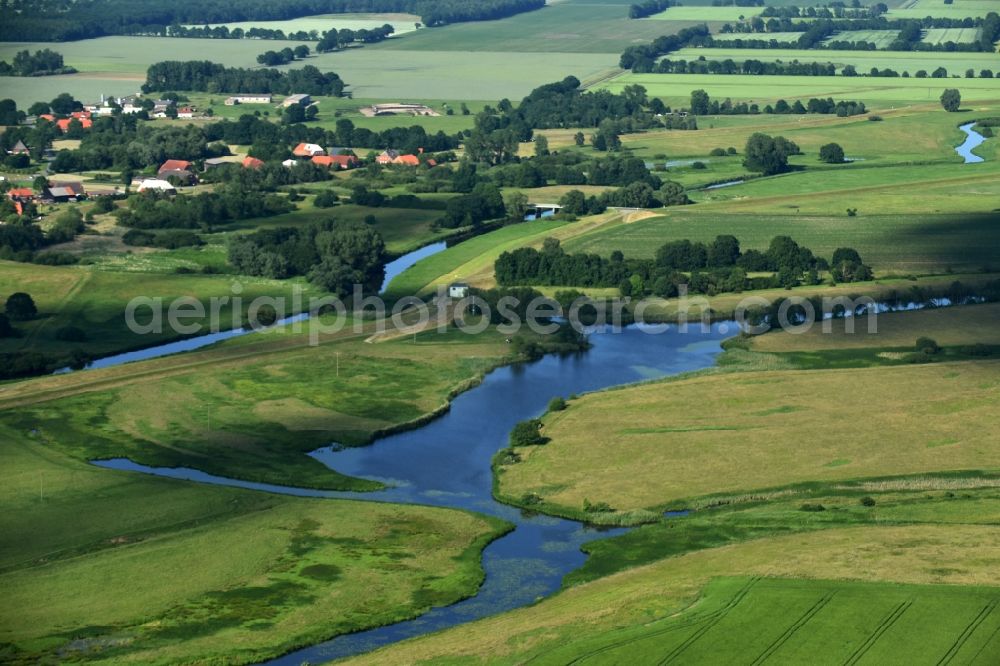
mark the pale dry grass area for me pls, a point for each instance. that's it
(965, 325)
(953, 555)
(650, 444)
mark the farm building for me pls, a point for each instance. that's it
(289, 163)
(185, 112)
(304, 100)
(174, 165)
(458, 290)
(308, 150)
(215, 162)
(157, 185)
(396, 108)
(336, 161)
(387, 156)
(252, 163)
(248, 99)
(59, 192)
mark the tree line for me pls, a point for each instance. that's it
(707, 268)
(207, 76)
(334, 255)
(54, 20)
(702, 105)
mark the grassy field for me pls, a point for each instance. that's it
(948, 326)
(644, 611)
(616, 446)
(95, 300)
(251, 408)
(204, 572)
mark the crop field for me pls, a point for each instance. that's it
(863, 61)
(663, 609)
(881, 38)
(192, 563)
(878, 93)
(918, 9)
(956, 35)
(403, 23)
(571, 26)
(720, 14)
(965, 325)
(788, 620)
(783, 37)
(741, 436)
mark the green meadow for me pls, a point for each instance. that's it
(190, 572)
(403, 23)
(918, 9)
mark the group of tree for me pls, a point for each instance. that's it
(54, 20)
(333, 40)
(716, 267)
(334, 255)
(40, 63)
(151, 210)
(768, 154)
(648, 8)
(284, 56)
(207, 76)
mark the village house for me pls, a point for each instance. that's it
(21, 194)
(387, 156)
(63, 123)
(304, 100)
(174, 165)
(19, 149)
(186, 112)
(336, 161)
(248, 99)
(252, 163)
(308, 150)
(289, 163)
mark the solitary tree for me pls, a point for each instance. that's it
(831, 153)
(951, 100)
(20, 307)
(541, 146)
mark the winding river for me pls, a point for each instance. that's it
(446, 463)
(973, 140)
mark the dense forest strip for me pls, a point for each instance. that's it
(53, 20)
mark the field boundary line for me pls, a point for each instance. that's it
(790, 631)
(968, 631)
(883, 627)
